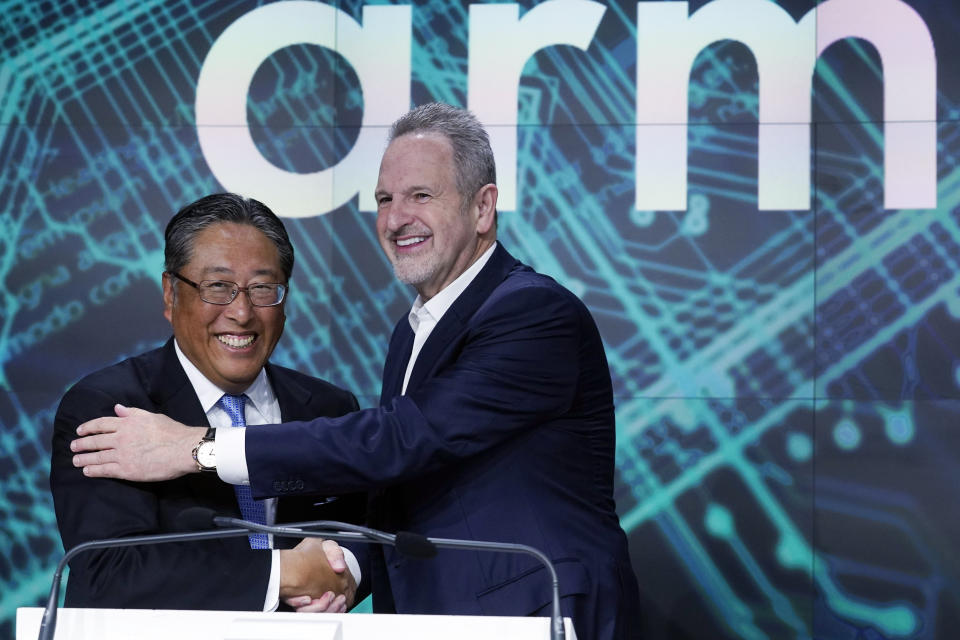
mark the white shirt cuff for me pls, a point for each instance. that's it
(231, 452)
(273, 585)
(352, 565)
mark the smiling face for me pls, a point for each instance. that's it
(229, 343)
(423, 226)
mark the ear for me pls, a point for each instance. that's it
(169, 295)
(486, 203)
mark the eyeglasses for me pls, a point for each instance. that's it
(260, 294)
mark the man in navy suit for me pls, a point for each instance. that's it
(496, 417)
(222, 340)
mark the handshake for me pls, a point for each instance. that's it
(314, 577)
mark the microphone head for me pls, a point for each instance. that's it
(414, 545)
(195, 519)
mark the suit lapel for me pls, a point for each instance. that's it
(173, 395)
(458, 315)
(395, 366)
(293, 399)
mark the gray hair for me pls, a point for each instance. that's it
(472, 155)
(223, 207)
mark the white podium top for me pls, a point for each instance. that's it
(159, 624)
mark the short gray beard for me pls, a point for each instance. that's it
(419, 269)
(414, 271)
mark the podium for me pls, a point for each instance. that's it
(161, 624)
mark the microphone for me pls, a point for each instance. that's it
(196, 518)
(410, 544)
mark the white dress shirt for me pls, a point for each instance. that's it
(261, 407)
(424, 316)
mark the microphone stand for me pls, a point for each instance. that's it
(49, 621)
(557, 631)
(412, 544)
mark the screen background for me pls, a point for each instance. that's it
(786, 381)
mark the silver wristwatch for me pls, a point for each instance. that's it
(204, 454)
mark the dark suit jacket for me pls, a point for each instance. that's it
(506, 433)
(217, 574)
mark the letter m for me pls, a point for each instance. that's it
(669, 40)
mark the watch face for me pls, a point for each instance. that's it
(206, 456)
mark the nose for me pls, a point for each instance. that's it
(240, 308)
(394, 215)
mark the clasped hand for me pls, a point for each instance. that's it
(314, 577)
(136, 445)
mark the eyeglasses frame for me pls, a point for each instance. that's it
(237, 289)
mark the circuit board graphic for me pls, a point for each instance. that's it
(787, 381)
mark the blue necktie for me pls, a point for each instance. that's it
(251, 509)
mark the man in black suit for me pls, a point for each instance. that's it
(228, 262)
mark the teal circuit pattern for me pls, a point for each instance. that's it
(787, 382)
